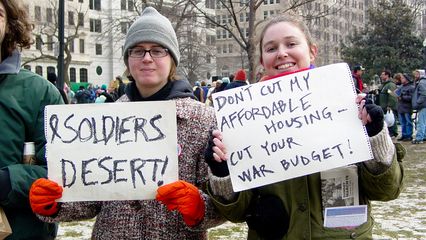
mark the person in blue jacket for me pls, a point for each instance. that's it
(23, 96)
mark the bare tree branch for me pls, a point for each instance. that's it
(235, 28)
(50, 30)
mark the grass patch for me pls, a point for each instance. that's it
(73, 234)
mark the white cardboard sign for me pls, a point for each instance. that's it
(291, 126)
(111, 151)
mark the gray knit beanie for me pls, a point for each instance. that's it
(153, 27)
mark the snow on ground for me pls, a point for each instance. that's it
(402, 219)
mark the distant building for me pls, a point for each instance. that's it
(96, 53)
(341, 18)
(102, 25)
(98, 29)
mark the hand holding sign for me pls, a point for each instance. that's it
(216, 155)
(43, 196)
(371, 115)
(185, 198)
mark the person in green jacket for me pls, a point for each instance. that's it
(294, 209)
(388, 99)
(23, 96)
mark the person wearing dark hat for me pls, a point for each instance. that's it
(356, 75)
(82, 95)
(181, 210)
(239, 80)
(231, 78)
(404, 95)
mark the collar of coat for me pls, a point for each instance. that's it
(12, 64)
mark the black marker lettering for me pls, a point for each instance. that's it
(64, 174)
(160, 133)
(84, 172)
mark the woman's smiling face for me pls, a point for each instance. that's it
(285, 49)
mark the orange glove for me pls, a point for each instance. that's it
(43, 194)
(185, 198)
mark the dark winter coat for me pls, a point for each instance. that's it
(199, 93)
(419, 95)
(83, 96)
(404, 100)
(23, 97)
(235, 84)
(302, 199)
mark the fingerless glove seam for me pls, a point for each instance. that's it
(222, 186)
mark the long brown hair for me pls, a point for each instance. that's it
(18, 29)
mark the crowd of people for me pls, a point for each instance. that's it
(92, 94)
(202, 197)
(203, 91)
(403, 96)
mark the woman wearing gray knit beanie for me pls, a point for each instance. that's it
(181, 210)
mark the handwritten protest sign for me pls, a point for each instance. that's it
(117, 151)
(291, 126)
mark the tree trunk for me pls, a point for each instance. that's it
(250, 43)
(67, 62)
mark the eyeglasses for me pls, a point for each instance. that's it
(155, 52)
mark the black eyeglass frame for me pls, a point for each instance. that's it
(166, 52)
